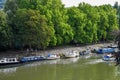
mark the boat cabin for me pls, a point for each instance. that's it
(6, 60)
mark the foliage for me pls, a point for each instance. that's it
(41, 24)
(4, 31)
(117, 38)
(117, 7)
(32, 28)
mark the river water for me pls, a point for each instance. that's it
(63, 69)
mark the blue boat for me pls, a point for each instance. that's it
(105, 50)
(108, 58)
(32, 58)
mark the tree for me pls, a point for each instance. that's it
(113, 25)
(45, 9)
(38, 23)
(91, 23)
(28, 4)
(77, 21)
(117, 39)
(57, 18)
(32, 29)
(117, 7)
(108, 22)
(11, 8)
(4, 31)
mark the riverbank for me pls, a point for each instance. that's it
(56, 50)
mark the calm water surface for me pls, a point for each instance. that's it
(63, 69)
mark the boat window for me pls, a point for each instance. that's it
(10, 60)
(13, 59)
(2, 61)
(7, 60)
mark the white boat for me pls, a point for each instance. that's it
(7, 61)
(72, 54)
(52, 56)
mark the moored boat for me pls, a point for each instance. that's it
(8, 61)
(108, 57)
(86, 52)
(32, 58)
(52, 56)
(72, 54)
(105, 50)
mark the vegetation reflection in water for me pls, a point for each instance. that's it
(63, 69)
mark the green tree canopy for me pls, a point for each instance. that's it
(32, 29)
(4, 31)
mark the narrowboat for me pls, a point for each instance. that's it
(32, 58)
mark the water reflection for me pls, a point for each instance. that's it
(69, 60)
(58, 61)
(62, 69)
(94, 61)
(51, 61)
(48, 62)
(8, 70)
(117, 70)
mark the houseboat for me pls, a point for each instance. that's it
(8, 61)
